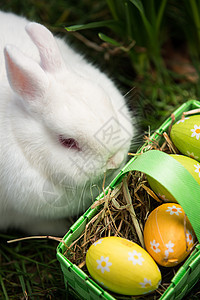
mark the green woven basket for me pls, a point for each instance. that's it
(80, 284)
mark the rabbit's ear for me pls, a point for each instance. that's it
(25, 76)
(51, 60)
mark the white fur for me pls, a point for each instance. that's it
(48, 90)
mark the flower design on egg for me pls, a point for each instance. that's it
(103, 264)
(196, 132)
(169, 246)
(97, 242)
(182, 120)
(174, 210)
(146, 283)
(189, 237)
(154, 246)
(192, 155)
(197, 169)
(135, 257)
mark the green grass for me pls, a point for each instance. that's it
(142, 31)
(30, 270)
(130, 41)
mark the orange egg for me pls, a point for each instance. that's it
(168, 235)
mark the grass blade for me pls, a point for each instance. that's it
(21, 279)
(27, 281)
(108, 40)
(160, 14)
(128, 19)
(195, 13)
(112, 6)
(91, 25)
(146, 23)
(4, 289)
(139, 5)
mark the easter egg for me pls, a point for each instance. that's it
(185, 134)
(168, 235)
(122, 266)
(190, 164)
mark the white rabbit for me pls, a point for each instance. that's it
(63, 124)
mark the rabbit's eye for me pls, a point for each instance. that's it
(69, 143)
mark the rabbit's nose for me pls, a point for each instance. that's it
(115, 160)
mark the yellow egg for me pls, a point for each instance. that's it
(168, 235)
(122, 266)
(190, 164)
(185, 135)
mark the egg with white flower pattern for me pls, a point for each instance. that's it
(190, 164)
(122, 266)
(185, 134)
(168, 235)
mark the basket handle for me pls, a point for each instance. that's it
(165, 169)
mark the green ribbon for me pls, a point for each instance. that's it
(175, 178)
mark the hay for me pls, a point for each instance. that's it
(123, 212)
